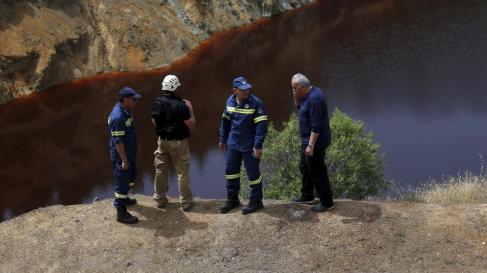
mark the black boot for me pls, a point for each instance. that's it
(230, 204)
(252, 207)
(123, 216)
(131, 201)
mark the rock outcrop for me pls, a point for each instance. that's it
(45, 42)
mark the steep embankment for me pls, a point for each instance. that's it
(47, 42)
(355, 237)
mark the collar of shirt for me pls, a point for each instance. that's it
(170, 95)
(126, 112)
(247, 100)
(309, 92)
(305, 97)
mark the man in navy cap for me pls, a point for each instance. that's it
(242, 133)
(123, 149)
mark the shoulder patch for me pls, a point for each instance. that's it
(128, 123)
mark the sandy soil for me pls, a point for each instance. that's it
(355, 237)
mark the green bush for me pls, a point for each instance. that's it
(355, 167)
(280, 162)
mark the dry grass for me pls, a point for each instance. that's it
(464, 188)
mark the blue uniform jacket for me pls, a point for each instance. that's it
(244, 125)
(121, 127)
(313, 117)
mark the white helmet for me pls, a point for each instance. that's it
(170, 83)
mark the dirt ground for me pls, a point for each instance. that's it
(354, 237)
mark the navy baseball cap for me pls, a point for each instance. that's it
(128, 92)
(241, 83)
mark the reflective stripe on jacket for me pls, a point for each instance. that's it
(121, 129)
(244, 125)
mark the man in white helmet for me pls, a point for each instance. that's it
(173, 118)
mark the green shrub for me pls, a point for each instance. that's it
(280, 162)
(355, 167)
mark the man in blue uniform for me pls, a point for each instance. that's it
(242, 133)
(123, 149)
(314, 129)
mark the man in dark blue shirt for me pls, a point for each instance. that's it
(123, 150)
(314, 129)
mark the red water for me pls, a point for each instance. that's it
(54, 142)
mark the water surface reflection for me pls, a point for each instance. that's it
(413, 71)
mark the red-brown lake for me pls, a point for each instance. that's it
(415, 73)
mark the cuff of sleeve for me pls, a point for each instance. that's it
(315, 129)
(258, 145)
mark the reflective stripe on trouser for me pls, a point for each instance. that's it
(172, 153)
(232, 174)
(122, 182)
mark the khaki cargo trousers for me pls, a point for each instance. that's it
(172, 153)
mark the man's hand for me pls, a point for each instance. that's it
(125, 165)
(309, 151)
(123, 156)
(223, 146)
(257, 153)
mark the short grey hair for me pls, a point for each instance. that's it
(301, 80)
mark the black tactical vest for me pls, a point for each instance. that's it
(169, 113)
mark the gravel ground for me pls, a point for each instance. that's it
(354, 237)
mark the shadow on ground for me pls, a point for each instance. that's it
(169, 222)
(350, 211)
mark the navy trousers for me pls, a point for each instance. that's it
(124, 180)
(232, 174)
(315, 176)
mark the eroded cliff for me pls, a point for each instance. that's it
(45, 42)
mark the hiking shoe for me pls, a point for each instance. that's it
(252, 207)
(188, 206)
(123, 216)
(161, 204)
(320, 208)
(131, 201)
(303, 200)
(229, 205)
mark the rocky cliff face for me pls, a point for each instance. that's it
(45, 42)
